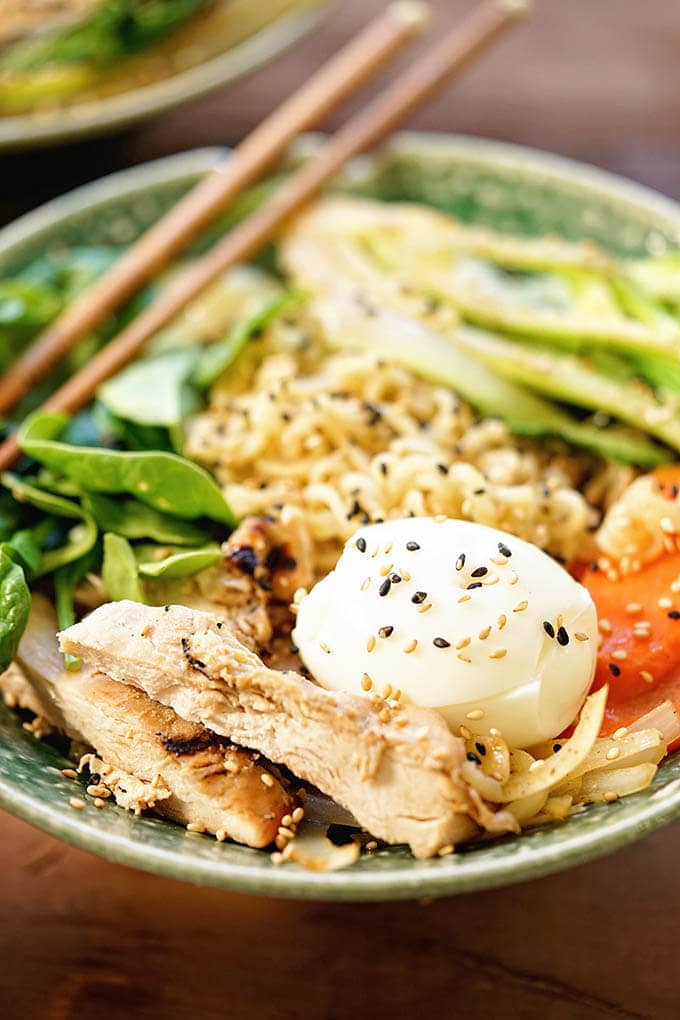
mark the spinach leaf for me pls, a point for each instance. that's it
(25, 307)
(163, 480)
(80, 540)
(25, 550)
(151, 392)
(132, 519)
(15, 605)
(49, 502)
(180, 563)
(119, 570)
(217, 358)
(66, 580)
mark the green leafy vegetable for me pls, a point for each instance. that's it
(25, 550)
(135, 520)
(181, 563)
(165, 481)
(49, 502)
(66, 580)
(15, 605)
(119, 570)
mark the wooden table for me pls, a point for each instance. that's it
(597, 81)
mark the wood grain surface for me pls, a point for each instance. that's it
(598, 80)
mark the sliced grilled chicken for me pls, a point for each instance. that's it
(211, 783)
(398, 772)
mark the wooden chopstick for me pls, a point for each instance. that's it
(453, 52)
(351, 67)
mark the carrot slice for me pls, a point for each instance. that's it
(639, 657)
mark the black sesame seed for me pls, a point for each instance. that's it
(365, 518)
(460, 562)
(562, 636)
(412, 546)
(419, 597)
(385, 587)
(385, 632)
(294, 649)
(481, 749)
(503, 549)
(475, 584)
(594, 567)
(674, 615)
(383, 467)
(548, 628)
(478, 492)
(471, 756)
(442, 469)
(440, 642)
(675, 490)
(395, 578)
(361, 544)
(556, 748)
(614, 669)
(479, 572)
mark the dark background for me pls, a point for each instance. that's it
(597, 80)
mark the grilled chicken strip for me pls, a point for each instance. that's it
(398, 772)
(211, 783)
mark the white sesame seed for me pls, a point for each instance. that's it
(464, 598)
(502, 620)
(69, 773)
(370, 644)
(613, 753)
(220, 835)
(195, 827)
(298, 595)
(388, 548)
(77, 803)
(425, 608)
(267, 779)
(298, 815)
(384, 571)
(535, 765)
(667, 526)
(441, 518)
(664, 602)
(411, 646)
(521, 606)
(371, 845)
(646, 676)
(463, 643)
(620, 733)
(98, 802)
(580, 636)
(324, 647)
(465, 733)
(605, 626)
(633, 607)
(620, 654)
(445, 850)
(405, 576)
(483, 634)
(514, 579)
(499, 653)
(476, 713)
(365, 583)
(463, 658)
(610, 796)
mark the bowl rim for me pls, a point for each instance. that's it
(102, 116)
(409, 879)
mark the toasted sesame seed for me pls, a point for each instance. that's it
(69, 773)
(99, 802)
(562, 636)
(463, 643)
(460, 562)
(483, 634)
(463, 658)
(620, 654)
(371, 845)
(195, 827)
(384, 571)
(411, 646)
(267, 779)
(77, 803)
(298, 815)
(419, 597)
(620, 733)
(401, 722)
(491, 580)
(388, 548)
(465, 733)
(476, 713)
(580, 636)
(502, 620)
(499, 653)
(605, 626)
(285, 832)
(426, 608)
(385, 587)
(440, 642)
(610, 796)
(366, 682)
(548, 628)
(464, 598)
(521, 606)
(221, 835)
(370, 644)
(664, 602)
(445, 850)
(386, 632)
(405, 575)
(324, 647)
(386, 691)
(480, 572)
(613, 753)
(365, 583)
(646, 676)
(667, 526)
(412, 546)
(633, 608)
(276, 858)
(498, 561)
(361, 544)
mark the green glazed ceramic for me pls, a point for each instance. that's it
(497, 185)
(80, 119)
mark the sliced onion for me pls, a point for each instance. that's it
(608, 784)
(633, 749)
(311, 849)
(526, 808)
(663, 718)
(573, 752)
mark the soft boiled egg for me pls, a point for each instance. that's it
(462, 618)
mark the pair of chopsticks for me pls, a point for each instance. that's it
(341, 76)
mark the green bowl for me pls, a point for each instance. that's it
(498, 185)
(99, 116)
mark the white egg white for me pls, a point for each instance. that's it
(460, 617)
